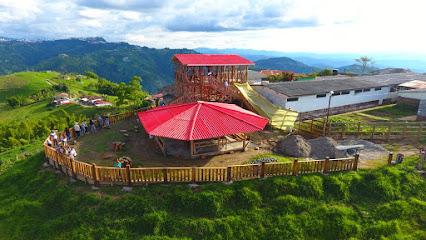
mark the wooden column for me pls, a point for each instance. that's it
(218, 144)
(192, 148)
(390, 158)
(359, 126)
(355, 166)
(95, 175)
(129, 177)
(194, 172)
(72, 164)
(295, 167)
(421, 161)
(228, 174)
(374, 131)
(326, 165)
(389, 131)
(262, 170)
(420, 130)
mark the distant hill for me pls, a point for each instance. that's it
(414, 61)
(117, 62)
(285, 64)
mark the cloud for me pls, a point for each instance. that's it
(18, 10)
(140, 5)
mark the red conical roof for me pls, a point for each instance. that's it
(200, 120)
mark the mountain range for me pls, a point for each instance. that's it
(414, 62)
(117, 62)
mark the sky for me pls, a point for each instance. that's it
(319, 26)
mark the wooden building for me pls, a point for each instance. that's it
(208, 77)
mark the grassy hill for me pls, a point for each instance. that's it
(117, 62)
(381, 203)
(28, 83)
(285, 64)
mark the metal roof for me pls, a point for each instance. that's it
(323, 85)
(414, 84)
(211, 60)
(200, 120)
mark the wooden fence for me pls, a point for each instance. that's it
(314, 128)
(99, 175)
(103, 176)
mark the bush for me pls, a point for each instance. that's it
(247, 198)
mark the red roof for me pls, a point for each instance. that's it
(271, 72)
(200, 120)
(211, 59)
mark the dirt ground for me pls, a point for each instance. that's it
(97, 148)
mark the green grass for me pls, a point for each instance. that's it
(8, 158)
(380, 203)
(23, 83)
(394, 111)
(43, 109)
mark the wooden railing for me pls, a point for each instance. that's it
(364, 130)
(99, 175)
(104, 176)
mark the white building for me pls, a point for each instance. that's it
(349, 93)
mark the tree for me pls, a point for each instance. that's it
(325, 72)
(364, 63)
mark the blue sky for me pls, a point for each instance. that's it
(326, 26)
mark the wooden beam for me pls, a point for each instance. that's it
(192, 148)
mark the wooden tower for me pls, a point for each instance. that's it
(208, 77)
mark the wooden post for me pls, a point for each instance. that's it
(343, 131)
(355, 166)
(295, 167)
(228, 173)
(193, 174)
(192, 148)
(421, 162)
(390, 158)
(420, 130)
(129, 177)
(262, 170)
(374, 131)
(324, 124)
(326, 165)
(218, 144)
(359, 126)
(312, 125)
(72, 164)
(329, 129)
(95, 175)
(389, 131)
(405, 129)
(165, 175)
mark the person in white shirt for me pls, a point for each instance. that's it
(73, 153)
(77, 129)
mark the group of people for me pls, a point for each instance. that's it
(69, 151)
(83, 128)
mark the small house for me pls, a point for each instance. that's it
(61, 99)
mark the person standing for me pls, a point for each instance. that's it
(82, 129)
(99, 121)
(64, 139)
(73, 153)
(117, 164)
(67, 131)
(92, 125)
(54, 136)
(107, 121)
(77, 129)
(86, 127)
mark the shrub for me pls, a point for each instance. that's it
(290, 204)
(247, 198)
(310, 186)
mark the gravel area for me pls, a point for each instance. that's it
(370, 151)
